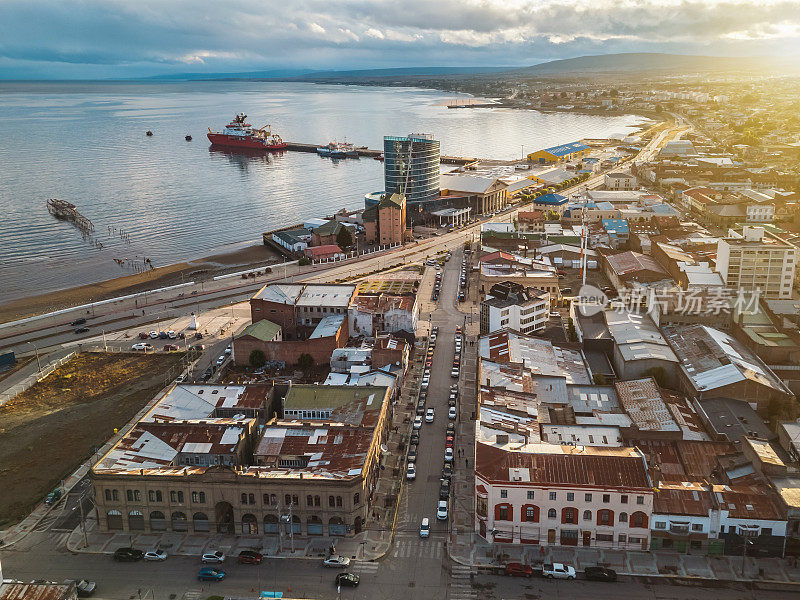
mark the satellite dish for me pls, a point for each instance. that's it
(384, 449)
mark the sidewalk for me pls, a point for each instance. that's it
(469, 549)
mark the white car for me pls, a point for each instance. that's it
(411, 472)
(171, 334)
(425, 528)
(451, 414)
(153, 335)
(228, 351)
(336, 561)
(418, 423)
(214, 557)
(142, 346)
(155, 555)
(558, 571)
(454, 372)
(220, 360)
(441, 510)
(429, 416)
(448, 455)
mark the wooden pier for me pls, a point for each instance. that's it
(368, 152)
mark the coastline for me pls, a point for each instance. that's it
(204, 268)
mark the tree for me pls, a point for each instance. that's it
(659, 374)
(305, 362)
(258, 359)
(304, 261)
(599, 379)
(344, 238)
(571, 332)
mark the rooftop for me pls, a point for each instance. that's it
(637, 337)
(328, 326)
(471, 184)
(629, 263)
(359, 406)
(189, 401)
(263, 330)
(35, 591)
(565, 149)
(734, 419)
(329, 296)
(281, 293)
(642, 400)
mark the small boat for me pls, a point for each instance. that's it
(379, 157)
(188, 138)
(338, 150)
(149, 133)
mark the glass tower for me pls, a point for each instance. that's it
(411, 167)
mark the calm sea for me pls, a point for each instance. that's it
(176, 200)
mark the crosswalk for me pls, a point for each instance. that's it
(364, 568)
(192, 594)
(460, 584)
(416, 547)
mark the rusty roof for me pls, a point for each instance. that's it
(628, 263)
(35, 591)
(686, 498)
(749, 502)
(383, 303)
(578, 469)
(641, 399)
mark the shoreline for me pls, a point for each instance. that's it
(217, 264)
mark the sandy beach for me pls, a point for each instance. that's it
(204, 268)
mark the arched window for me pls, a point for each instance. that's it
(287, 499)
(309, 500)
(639, 519)
(551, 514)
(137, 496)
(273, 500)
(129, 495)
(244, 498)
(179, 522)
(605, 517)
(587, 515)
(114, 519)
(251, 498)
(503, 512)
(569, 515)
(530, 513)
(115, 495)
(266, 499)
(623, 517)
(158, 521)
(108, 495)
(331, 501)
(316, 501)
(200, 521)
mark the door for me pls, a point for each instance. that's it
(587, 538)
(551, 536)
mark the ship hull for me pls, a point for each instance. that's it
(233, 141)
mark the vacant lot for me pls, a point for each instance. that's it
(49, 429)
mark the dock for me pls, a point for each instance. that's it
(369, 152)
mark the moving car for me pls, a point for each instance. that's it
(213, 556)
(77, 322)
(441, 510)
(53, 497)
(85, 588)
(350, 579)
(210, 574)
(411, 472)
(82, 330)
(128, 555)
(429, 416)
(558, 571)
(600, 574)
(425, 528)
(155, 555)
(249, 557)
(336, 561)
(142, 346)
(515, 569)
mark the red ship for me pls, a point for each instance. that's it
(240, 134)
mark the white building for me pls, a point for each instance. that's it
(563, 495)
(620, 181)
(754, 261)
(512, 306)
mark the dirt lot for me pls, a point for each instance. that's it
(48, 430)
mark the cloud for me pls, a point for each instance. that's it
(154, 36)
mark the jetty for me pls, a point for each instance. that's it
(61, 209)
(369, 152)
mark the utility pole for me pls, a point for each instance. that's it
(83, 523)
(36, 349)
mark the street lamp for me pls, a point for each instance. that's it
(37, 355)
(744, 552)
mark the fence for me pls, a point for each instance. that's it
(34, 378)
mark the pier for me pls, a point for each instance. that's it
(368, 152)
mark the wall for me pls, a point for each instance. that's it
(289, 351)
(281, 314)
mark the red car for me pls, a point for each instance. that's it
(143, 335)
(250, 557)
(449, 441)
(518, 570)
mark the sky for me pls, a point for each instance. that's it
(67, 39)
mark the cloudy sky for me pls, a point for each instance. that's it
(130, 38)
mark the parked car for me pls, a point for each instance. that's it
(444, 489)
(77, 322)
(142, 347)
(155, 555)
(449, 441)
(558, 571)
(85, 588)
(220, 360)
(171, 334)
(143, 335)
(412, 454)
(415, 437)
(213, 556)
(198, 335)
(516, 569)
(336, 561)
(163, 335)
(451, 429)
(451, 414)
(417, 422)
(425, 528)
(600, 574)
(170, 348)
(421, 409)
(429, 416)
(454, 373)
(447, 470)
(350, 579)
(53, 497)
(411, 472)
(210, 574)
(128, 555)
(82, 330)
(153, 335)
(441, 510)
(448, 455)
(249, 557)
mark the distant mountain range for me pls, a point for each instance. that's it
(634, 62)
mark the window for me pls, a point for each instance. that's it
(108, 495)
(587, 497)
(251, 498)
(244, 498)
(316, 500)
(570, 515)
(154, 495)
(624, 498)
(199, 497)
(338, 501)
(606, 498)
(552, 495)
(530, 494)
(530, 514)
(605, 537)
(266, 498)
(623, 517)
(587, 515)
(764, 531)
(604, 517)
(175, 496)
(697, 527)
(661, 525)
(623, 538)
(287, 499)
(356, 498)
(504, 493)
(129, 495)
(309, 500)
(331, 501)
(639, 499)
(638, 519)
(551, 514)
(502, 513)
(115, 495)
(273, 499)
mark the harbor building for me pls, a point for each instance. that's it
(385, 222)
(556, 154)
(411, 167)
